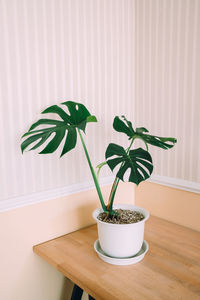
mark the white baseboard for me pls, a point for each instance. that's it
(25, 200)
(20, 201)
(181, 184)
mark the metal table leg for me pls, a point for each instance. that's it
(77, 293)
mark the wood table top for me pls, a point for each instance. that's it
(170, 269)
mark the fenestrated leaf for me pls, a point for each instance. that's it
(77, 117)
(161, 142)
(78, 114)
(125, 126)
(138, 161)
(42, 138)
(70, 141)
(141, 130)
(114, 149)
(55, 142)
(45, 122)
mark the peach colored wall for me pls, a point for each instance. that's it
(175, 205)
(25, 276)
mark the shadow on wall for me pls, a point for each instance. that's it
(66, 289)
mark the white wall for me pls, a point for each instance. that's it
(116, 56)
(52, 51)
(167, 84)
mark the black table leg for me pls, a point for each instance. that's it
(76, 293)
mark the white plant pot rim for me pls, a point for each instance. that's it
(133, 207)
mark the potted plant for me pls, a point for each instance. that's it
(120, 227)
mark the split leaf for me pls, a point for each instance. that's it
(77, 118)
(138, 161)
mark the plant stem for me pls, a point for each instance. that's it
(115, 184)
(93, 172)
(112, 194)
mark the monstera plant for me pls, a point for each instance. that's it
(73, 123)
(126, 238)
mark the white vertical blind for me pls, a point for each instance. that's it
(134, 57)
(167, 82)
(53, 51)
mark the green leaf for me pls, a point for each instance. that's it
(45, 122)
(77, 117)
(42, 138)
(114, 149)
(70, 141)
(125, 126)
(91, 119)
(78, 114)
(161, 142)
(141, 130)
(54, 109)
(138, 161)
(55, 142)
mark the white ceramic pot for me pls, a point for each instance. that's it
(121, 240)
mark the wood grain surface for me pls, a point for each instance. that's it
(170, 269)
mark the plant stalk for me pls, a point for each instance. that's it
(93, 173)
(115, 184)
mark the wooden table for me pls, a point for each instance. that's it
(170, 269)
